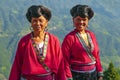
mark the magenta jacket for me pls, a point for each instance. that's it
(26, 63)
(75, 54)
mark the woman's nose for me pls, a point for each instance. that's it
(38, 22)
(82, 21)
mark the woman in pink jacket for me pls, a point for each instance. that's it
(39, 55)
(80, 48)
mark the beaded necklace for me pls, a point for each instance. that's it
(87, 48)
(44, 51)
(85, 38)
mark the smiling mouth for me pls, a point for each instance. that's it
(38, 27)
(81, 25)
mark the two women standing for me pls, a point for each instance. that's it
(39, 55)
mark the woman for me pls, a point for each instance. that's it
(80, 48)
(38, 56)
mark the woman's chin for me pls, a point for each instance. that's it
(38, 30)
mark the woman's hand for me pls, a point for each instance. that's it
(100, 78)
(69, 78)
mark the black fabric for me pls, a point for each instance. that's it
(84, 76)
(82, 11)
(37, 11)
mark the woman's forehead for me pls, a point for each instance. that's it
(78, 17)
(40, 17)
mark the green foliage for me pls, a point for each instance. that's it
(105, 24)
(2, 77)
(111, 73)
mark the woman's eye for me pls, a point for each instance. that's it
(40, 20)
(34, 20)
(77, 19)
(84, 19)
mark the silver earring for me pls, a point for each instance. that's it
(31, 29)
(46, 29)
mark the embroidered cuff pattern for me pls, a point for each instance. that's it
(100, 74)
(69, 78)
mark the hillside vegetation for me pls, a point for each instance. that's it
(105, 24)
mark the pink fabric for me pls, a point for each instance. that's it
(83, 68)
(26, 62)
(74, 53)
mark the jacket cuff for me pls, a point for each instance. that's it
(100, 74)
(69, 78)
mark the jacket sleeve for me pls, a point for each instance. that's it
(66, 55)
(60, 75)
(99, 65)
(15, 72)
(97, 57)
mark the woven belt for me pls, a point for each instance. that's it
(44, 74)
(37, 75)
(86, 74)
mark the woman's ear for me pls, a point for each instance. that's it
(72, 18)
(46, 24)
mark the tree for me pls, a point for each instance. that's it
(111, 73)
(2, 77)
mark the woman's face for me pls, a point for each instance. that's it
(39, 24)
(80, 23)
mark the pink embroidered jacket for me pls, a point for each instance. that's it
(75, 54)
(26, 63)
